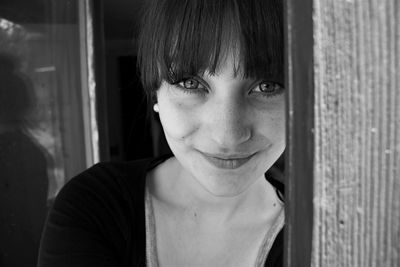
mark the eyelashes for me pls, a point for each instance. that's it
(196, 85)
(192, 85)
(269, 89)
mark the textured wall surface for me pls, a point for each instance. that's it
(357, 133)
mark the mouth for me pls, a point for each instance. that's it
(227, 161)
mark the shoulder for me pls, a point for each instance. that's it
(108, 183)
(105, 189)
(108, 176)
(99, 214)
(117, 170)
(110, 180)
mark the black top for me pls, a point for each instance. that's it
(98, 219)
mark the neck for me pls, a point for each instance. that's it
(182, 190)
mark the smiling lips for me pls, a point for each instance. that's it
(225, 162)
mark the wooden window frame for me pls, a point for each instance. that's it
(299, 77)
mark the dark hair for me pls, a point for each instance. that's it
(180, 37)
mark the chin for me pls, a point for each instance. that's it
(229, 183)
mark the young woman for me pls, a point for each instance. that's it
(214, 69)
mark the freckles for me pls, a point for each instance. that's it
(271, 125)
(177, 121)
(177, 114)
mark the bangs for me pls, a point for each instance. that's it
(189, 37)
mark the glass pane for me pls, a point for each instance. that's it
(42, 116)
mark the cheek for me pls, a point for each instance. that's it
(177, 119)
(272, 124)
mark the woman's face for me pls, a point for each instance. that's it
(225, 131)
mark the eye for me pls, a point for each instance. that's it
(268, 89)
(191, 84)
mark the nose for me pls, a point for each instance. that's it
(229, 123)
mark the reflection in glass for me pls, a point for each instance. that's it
(42, 138)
